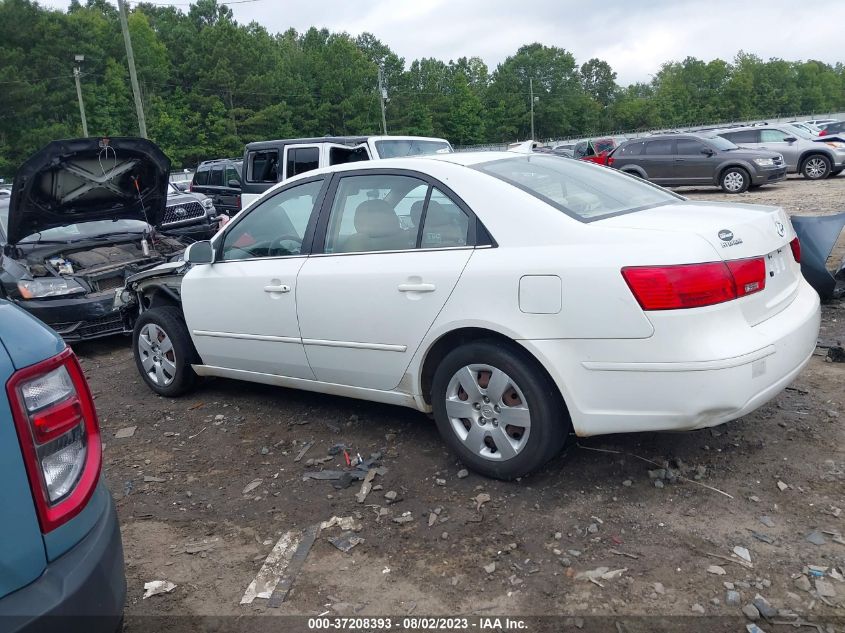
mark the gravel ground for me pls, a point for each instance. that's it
(764, 482)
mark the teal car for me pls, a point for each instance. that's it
(61, 556)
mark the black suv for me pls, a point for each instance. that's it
(221, 181)
(678, 160)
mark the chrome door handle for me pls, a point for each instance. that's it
(416, 287)
(281, 288)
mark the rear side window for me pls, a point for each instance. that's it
(302, 159)
(659, 148)
(201, 177)
(630, 149)
(231, 174)
(263, 166)
(216, 178)
(772, 136)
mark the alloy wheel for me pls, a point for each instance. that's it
(157, 355)
(815, 168)
(488, 412)
(734, 181)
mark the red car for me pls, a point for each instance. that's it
(597, 150)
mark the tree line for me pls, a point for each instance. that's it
(210, 84)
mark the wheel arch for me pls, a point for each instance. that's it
(452, 339)
(807, 153)
(635, 170)
(732, 165)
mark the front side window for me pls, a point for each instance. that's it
(263, 166)
(201, 177)
(275, 227)
(772, 136)
(302, 159)
(630, 149)
(580, 190)
(690, 147)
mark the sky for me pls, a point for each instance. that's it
(634, 36)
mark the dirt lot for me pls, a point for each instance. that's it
(179, 482)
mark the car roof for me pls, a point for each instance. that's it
(339, 140)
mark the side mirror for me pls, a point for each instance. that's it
(790, 139)
(708, 152)
(200, 253)
(234, 184)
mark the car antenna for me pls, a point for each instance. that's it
(144, 245)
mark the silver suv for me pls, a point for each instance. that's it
(810, 156)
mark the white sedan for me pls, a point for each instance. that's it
(518, 297)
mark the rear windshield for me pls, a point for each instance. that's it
(411, 147)
(583, 191)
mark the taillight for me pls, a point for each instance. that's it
(694, 285)
(610, 161)
(822, 132)
(60, 439)
(238, 202)
(795, 245)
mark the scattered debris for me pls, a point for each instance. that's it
(252, 485)
(346, 541)
(390, 495)
(803, 583)
(440, 482)
(835, 355)
(825, 589)
(816, 538)
(151, 479)
(732, 560)
(463, 473)
(600, 573)
(127, 431)
(366, 486)
(782, 486)
(659, 588)
(751, 612)
(618, 553)
(697, 608)
(406, 517)
(303, 450)
(490, 568)
(156, 587)
(201, 546)
(732, 598)
(274, 566)
(767, 521)
(763, 607)
(294, 566)
(743, 553)
(753, 628)
(765, 538)
(344, 523)
(715, 569)
(480, 500)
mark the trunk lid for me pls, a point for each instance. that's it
(735, 231)
(80, 180)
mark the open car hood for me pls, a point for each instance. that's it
(81, 180)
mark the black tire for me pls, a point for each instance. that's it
(730, 182)
(549, 420)
(816, 167)
(182, 354)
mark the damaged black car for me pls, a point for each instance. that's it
(78, 223)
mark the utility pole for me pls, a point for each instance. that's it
(382, 96)
(76, 72)
(133, 77)
(531, 94)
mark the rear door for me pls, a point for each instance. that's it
(775, 140)
(299, 159)
(389, 250)
(695, 162)
(229, 196)
(261, 170)
(22, 557)
(659, 156)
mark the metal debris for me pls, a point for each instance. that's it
(346, 541)
(274, 566)
(816, 538)
(366, 486)
(480, 500)
(156, 587)
(344, 523)
(127, 431)
(295, 564)
(743, 553)
(303, 450)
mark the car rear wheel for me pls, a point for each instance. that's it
(734, 180)
(816, 167)
(164, 352)
(498, 410)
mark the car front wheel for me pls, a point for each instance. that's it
(498, 410)
(816, 167)
(734, 180)
(164, 352)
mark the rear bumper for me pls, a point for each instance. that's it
(82, 590)
(636, 394)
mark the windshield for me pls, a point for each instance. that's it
(584, 191)
(76, 232)
(411, 147)
(720, 143)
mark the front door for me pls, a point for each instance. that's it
(695, 162)
(241, 310)
(386, 259)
